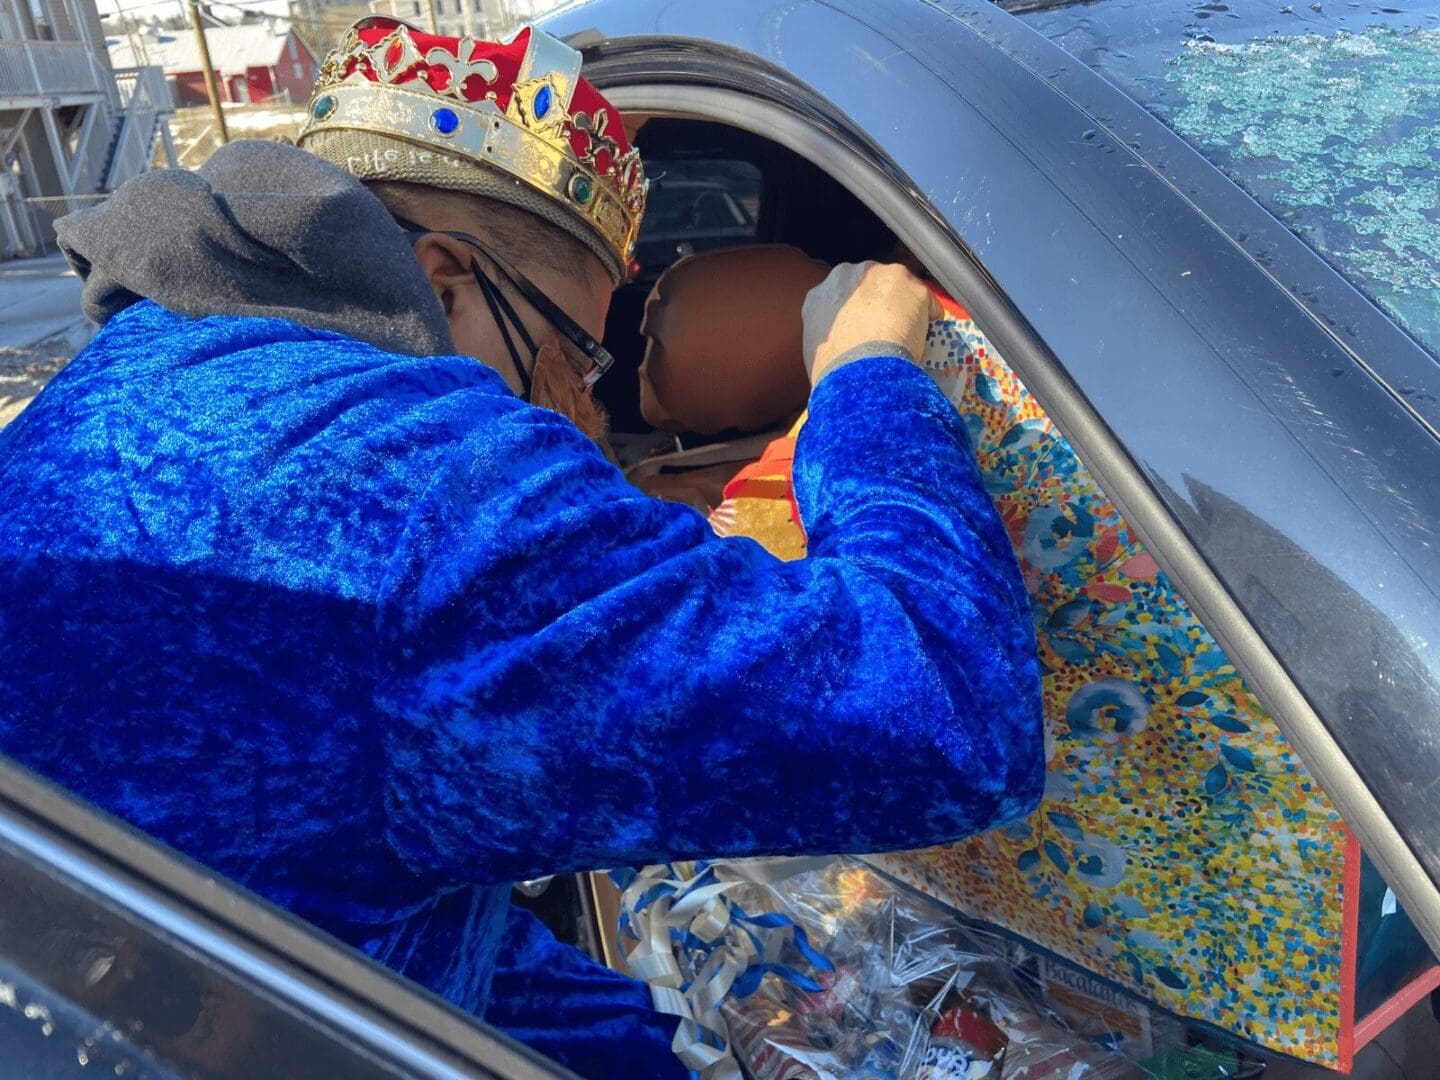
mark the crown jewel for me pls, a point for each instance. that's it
(520, 108)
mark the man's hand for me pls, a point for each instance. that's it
(866, 309)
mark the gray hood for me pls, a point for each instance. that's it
(261, 229)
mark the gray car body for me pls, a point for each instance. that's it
(1267, 428)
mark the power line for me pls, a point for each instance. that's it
(126, 9)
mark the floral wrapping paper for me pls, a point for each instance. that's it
(1182, 850)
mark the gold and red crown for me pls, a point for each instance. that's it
(520, 109)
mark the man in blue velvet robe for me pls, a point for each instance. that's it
(293, 582)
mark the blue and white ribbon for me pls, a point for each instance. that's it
(684, 911)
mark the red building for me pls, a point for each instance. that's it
(255, 62)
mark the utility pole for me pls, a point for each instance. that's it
(211, 87)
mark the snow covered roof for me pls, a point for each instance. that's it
(233, 49)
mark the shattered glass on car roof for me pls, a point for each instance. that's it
(1329, 117)
(1355, 171)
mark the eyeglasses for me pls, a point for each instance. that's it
(505, 316)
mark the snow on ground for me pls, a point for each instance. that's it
(266, 120)
(193, 129)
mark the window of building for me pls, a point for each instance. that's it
(299, 70)
(294, 49)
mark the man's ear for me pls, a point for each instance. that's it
(445, 262)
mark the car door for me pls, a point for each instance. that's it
(1220, 381)
(122, 957)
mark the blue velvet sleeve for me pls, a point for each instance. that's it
(579, 676)
(592, 1020)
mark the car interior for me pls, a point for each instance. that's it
(737, 231)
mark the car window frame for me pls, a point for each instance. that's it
(813, 129)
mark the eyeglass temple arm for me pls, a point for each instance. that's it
(597, 353)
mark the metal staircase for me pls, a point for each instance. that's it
(146, 108)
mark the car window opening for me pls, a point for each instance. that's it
(738, 230)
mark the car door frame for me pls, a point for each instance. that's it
(740, 70)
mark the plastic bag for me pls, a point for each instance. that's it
(818, 969)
